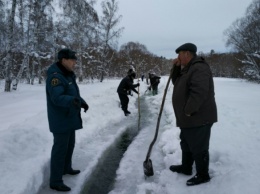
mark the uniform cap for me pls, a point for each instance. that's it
(67, 54)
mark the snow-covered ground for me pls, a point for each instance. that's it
(25, 141)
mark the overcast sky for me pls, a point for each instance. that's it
(163, 25)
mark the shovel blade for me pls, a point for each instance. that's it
(148, 167)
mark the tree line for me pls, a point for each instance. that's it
(31, 33)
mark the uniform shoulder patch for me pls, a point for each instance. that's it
(55, 81)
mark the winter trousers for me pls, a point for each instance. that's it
(155, 89)
(195, 147)
(61, 156)
(124, 101)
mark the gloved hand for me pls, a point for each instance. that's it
(138, 84)
(76, 102)
(85, 106)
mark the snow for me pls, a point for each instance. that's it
(25, 140)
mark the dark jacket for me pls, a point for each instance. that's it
(194, 94)
(154, 80)
(61, 91)
(127, 85)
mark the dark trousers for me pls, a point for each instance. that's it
(195, 142)
(155, 89)
(124, 101)
(61, 155)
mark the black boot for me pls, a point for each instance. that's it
(180, 169)
(60, 187)
(202, 167)
(186, 167)
(198, 179)
(72, 172)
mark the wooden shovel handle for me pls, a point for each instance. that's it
(159, 118)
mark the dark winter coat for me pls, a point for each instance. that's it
(127, 85)
(154, 80)
(61, 91)
(193, 94)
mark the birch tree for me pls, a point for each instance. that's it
(23, 17)
(8, 62)
(81, 18)
(2, 38)
(108, 33)
(2, 22)
(41, 45)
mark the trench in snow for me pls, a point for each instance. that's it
(102, 178)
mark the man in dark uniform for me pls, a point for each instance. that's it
(154, 82)
(63, 105)
(124, 88)
(195, 110)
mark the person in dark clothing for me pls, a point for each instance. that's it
(195, 110)
(124, 89)
(154, 82)
(64, 104)
(142, 77)
(147, 78)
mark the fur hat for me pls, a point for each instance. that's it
(66, 53)
(187, 47)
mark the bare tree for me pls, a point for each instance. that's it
(138, 55)
(82, 19)
(40, 21)
(108, 33)
(244, 36)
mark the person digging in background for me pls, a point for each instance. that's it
(154, 82)
(195, 110)
(63, 107)
(124, 89)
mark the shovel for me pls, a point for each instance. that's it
(147, 164)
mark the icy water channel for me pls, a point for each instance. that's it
(102, 179)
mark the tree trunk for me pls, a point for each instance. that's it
(19, 74)
(80, 68)
(102, 75)
(39, 72)
(28, 76)
(33, 72)
(8, 79)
